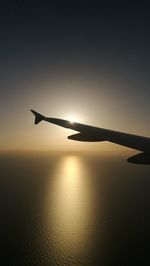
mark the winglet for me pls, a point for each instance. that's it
(38, 117)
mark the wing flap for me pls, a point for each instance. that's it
(86, 137)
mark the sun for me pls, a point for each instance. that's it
(72, 118)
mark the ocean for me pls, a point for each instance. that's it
(73, 209)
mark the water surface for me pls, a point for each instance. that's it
(74, 209)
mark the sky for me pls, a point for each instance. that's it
(90, 61)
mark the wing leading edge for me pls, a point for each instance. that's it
(95, 134)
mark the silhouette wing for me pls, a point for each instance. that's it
(94, 134)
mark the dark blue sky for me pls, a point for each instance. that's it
(92, 60)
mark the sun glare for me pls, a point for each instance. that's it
(72, 118)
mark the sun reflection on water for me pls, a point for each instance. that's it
(70, 204)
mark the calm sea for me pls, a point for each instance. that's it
(74, 209)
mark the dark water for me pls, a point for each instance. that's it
(74, 210)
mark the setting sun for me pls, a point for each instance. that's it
(72, 118)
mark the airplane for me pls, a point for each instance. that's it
(94, 134)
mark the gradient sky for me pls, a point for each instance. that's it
(87, 60)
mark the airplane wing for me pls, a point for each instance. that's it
(94, 134)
